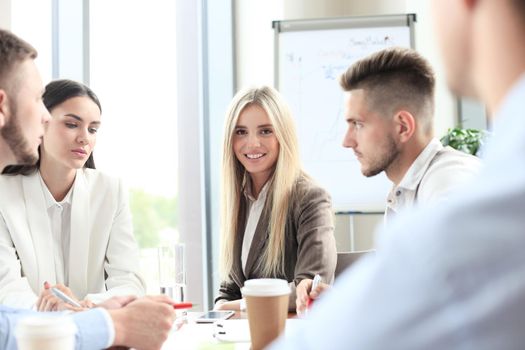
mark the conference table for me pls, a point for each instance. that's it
(231, 334)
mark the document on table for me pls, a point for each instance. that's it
(235, 335)
(238, 331)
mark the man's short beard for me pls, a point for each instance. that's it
(386, 160)
(14, 137)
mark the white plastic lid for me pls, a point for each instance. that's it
(265, 287)
(45, 327)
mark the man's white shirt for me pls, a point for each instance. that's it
(433, 175)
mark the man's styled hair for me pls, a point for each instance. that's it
(395, 79)
(13, 51)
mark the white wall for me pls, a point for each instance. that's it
(254, 40)
(339, 8)
(446, 108)
(5, 14)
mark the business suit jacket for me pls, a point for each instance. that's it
(309, 244)
(103, 254)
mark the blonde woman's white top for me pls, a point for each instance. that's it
(255, 209)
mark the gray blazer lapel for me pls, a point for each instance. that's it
(237, 272)
(40, 228)
(80, 232)
(259, 241)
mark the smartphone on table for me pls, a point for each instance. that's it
(212, 316)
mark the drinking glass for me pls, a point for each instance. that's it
(172, 271)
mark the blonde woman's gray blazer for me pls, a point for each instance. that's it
(309, 244)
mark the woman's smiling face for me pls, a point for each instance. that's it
(255, 144)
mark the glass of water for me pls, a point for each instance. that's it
(172, 271)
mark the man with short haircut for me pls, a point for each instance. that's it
(22, 112)
(449, 276)
(390, 115)
(142, 323)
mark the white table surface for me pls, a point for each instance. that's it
(200, 336)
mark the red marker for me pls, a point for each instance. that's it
(188, 305)
(309, 302)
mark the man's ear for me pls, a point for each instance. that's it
(470, 3)
(4, 109)
(405, 125)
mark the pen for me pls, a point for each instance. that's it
(315, 283)
(58, 293)
(187, 305)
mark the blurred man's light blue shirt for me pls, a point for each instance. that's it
(93, 329)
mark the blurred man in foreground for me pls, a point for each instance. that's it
(449, 277)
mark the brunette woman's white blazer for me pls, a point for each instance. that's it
(103, 254)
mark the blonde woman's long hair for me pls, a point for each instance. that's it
(286, 173)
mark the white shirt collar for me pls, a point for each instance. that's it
(50, 200)
(416, 171)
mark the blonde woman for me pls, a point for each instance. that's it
(276, 222)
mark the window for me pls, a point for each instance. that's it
(133, 72)
(35, 27)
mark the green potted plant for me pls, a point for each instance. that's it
(465, 140)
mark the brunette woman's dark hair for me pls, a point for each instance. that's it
(56, 93)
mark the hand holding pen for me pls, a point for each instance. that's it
(62, 296)
(52, 298)
(313, 291)
(307, 291)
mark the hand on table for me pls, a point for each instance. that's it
(116, 302)
(234, 305)
(144, 323)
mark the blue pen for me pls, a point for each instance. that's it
(58, 293)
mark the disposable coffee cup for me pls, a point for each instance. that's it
(267, 308)
(46, 333)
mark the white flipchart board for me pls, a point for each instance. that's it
(309, 57)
